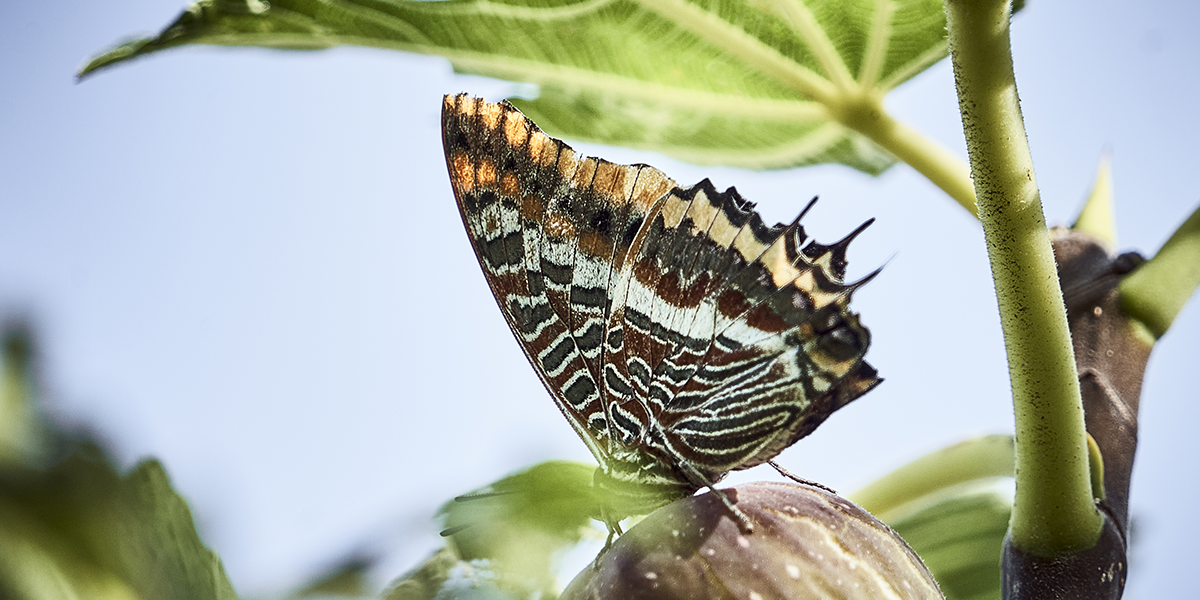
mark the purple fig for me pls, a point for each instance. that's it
(807, 542)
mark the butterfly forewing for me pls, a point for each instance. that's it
(680, 336)
(505, 174)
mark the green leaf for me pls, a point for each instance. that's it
(1156, 292)
(946, 505)
(959, 534)
(424, 582)
(520, 523)
(350, 579)
(446, 575)
(72, 527)
(969, 461)
(753, 84)
(80, 529)
(24, 436)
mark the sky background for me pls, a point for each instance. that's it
(249, 264)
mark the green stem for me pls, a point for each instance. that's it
(1156, 292)
(1053, 512)
(939, 165)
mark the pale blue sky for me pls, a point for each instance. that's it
(249, 264)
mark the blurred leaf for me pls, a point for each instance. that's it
(1096, 218)
(1156, 292)
(960, 536)
(947, 507)
(983, 457)
(348, 580)
(73, 527)
(423, 582)
(80, 529)
(24, 437)
(444, 575)
(752, 84)
(520, 522)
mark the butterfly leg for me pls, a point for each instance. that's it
(614, 530)
(743, 520)
(789, 475)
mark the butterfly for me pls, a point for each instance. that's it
(680, 336)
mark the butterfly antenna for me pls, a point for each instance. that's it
(479, 496)
(800, 480)
(449, 531)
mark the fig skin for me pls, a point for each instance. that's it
(807, 542)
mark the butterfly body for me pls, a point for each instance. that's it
(680, 336)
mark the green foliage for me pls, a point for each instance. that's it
(81, 529)
(23, 436)
(78, 528)
(347, 580)
(446, 575)
(959, 534)
(523, 521)
(759, 85)
(425, 581)
(504, 539)
(946, 505)
(966, 462)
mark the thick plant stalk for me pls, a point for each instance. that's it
(1111, 355)
(1053, 512)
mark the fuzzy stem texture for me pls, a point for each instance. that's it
(1053, 512)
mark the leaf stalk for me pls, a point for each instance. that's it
(946, 170)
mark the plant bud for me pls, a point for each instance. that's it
(807, 542)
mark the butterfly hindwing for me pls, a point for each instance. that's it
(786, 350)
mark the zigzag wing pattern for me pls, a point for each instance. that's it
(681, 337)
(748, 342)
(548, 227)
